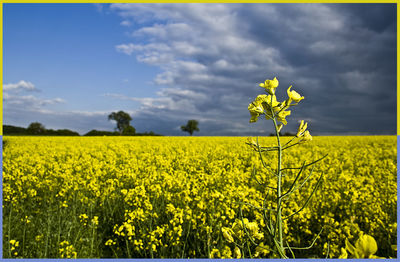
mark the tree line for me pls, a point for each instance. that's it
(36, 129)
(123, 128)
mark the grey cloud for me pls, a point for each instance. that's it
(332, 53)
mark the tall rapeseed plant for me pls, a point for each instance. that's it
(267, 105)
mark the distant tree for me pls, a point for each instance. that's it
(191, 126)
(101, 133)
(36, 128)
(129, 131)
(61, 132)
(122, 120)
(14, 130)
(151, 133)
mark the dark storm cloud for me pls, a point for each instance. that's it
(341, 57)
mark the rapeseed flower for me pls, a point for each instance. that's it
(302, 128)
(366, 245)
(262, 105)
(282, 117)
(238, 254)
(294, 96)
(270, 85)
(227, 233)
(307, 137)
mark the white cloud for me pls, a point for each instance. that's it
(29, 102)
(126, 23)
(21, 109)
(21, 85)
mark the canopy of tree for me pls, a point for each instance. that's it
(123, 119)
(191, 126)
(36, 128)
(129, 131)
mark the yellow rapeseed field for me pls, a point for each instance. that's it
(170, 197)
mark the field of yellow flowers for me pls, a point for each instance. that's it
(170, 197)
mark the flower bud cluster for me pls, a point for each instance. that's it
(269, 106)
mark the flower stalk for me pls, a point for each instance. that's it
(267, 105)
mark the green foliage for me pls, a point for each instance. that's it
(14, 130)
(101, 133)
(60, 132)
(36, 128)
(191, 126)
(129, 131)
(123, 119)
(151, 133)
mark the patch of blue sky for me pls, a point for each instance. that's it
(68, 51)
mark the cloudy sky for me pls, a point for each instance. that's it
(70, 65)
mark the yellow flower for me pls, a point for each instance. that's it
(226, 252)
(302, 128)
(254, 117)
(95, 220)
(294, 96)
(250, 141)
(262, 105)
(366, 245)
(270, 102)
(83, 219)
(256, 106)
(226, 232)
(39, 238)
(282, 117)
(261, 250)
(307, 137)
(343, 253)
(238, 254)
(270, 85)
(215, 253)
